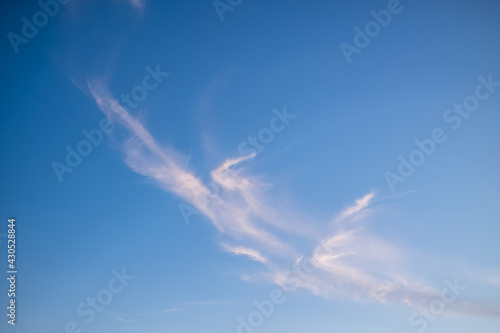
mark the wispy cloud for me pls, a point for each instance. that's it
(491, 277)
(240, 212)
(137, 4)
(244, 251)
(359, 206)
(132, 318)
(352, 262)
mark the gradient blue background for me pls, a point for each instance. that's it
(353, 120)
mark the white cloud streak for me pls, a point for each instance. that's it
(244, 251)
(137, 317)
(239, 212)
(349, 263)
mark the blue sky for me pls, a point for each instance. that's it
(224, 152)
